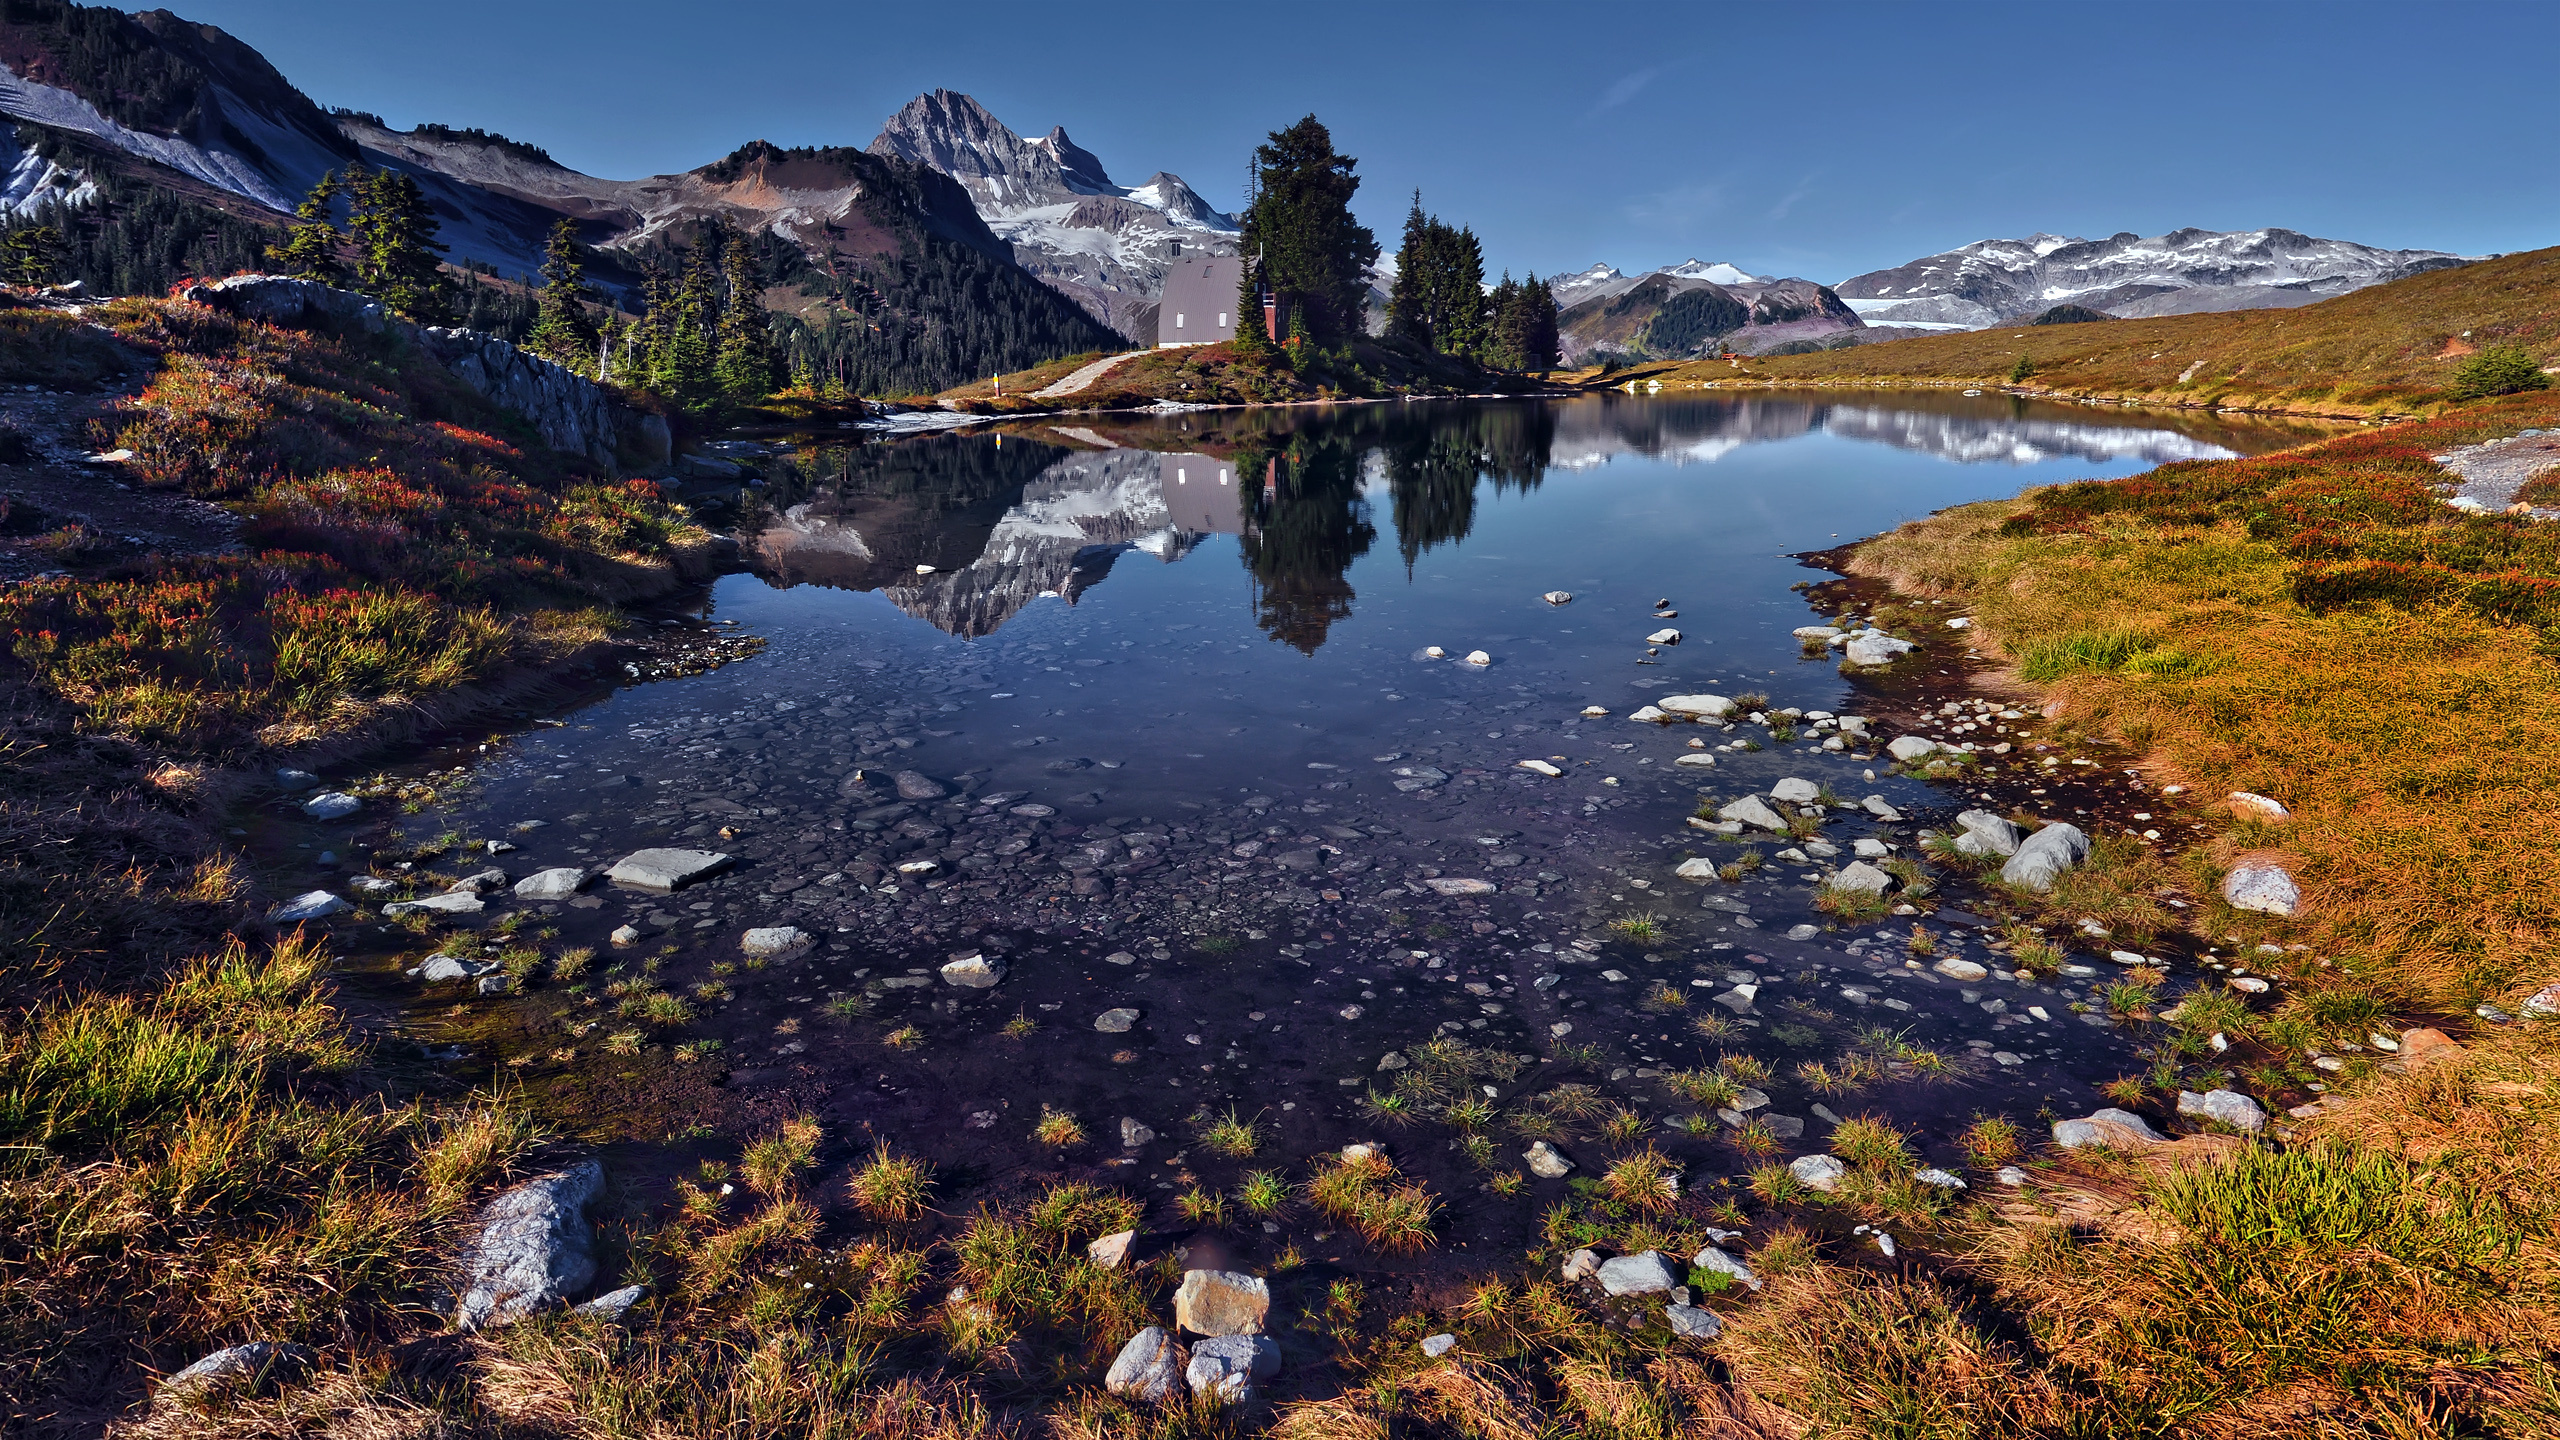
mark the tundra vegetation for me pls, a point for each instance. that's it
(200, 1146)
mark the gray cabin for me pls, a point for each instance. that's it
(1199, 306)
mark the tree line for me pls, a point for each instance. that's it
(1306, 252)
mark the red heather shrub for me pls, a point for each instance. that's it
(2320, 588)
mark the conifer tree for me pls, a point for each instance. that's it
(1314, 254)
(1505, 346)
(310, 248)
(1252, 342)
(1406, 306)
(562, 330)
(686, 356)
(744, 364)
(395, 233)
(33, 253)
(1540, 347)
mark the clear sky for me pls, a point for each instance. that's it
(1803, 139)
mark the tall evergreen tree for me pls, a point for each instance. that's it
(1252, 342)
(1314, 253)
(1505, 347)
(745, 363)
(687, 354)
(310, 248)
(1438, 300)
(1406, 306)
(562, 329)
(1540, 347)
(395, 231)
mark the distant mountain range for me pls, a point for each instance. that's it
(1994, 282)
(1692, 308)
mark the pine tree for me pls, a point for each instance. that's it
(1252, 342)
(1406, 303)
(686, 356)
(34, 252)
(1540, 347)
(562, 330)
(310, 248)
(1314, 254)
(395, 233)
(1505, 347)
(745, 361)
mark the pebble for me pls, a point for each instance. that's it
(1115, 1022)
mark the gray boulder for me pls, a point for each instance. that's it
(284, 300)
(1862, 878)
(1226, 1367)
(1987, 834)
(1438, 1345)
(1874, 648)
(459, 902)
(443, 967)
(1908, 748)
(662, 872)
(611, 1304)
(974, 971)
(531, 1249)
(1795, 791)
(486, 882)
(331, 805)
(1545, 1161)
(309, 905)
(1819, 1172)
(2262, 887)
(1716, 1262)
(1221, 1302)
(768, 942)
(554, 884)
(2109, 1129)
(253, 1363)
(1691, 1323)
(1752, 810)
(916, 785)
(2225, 1107)
(2043, 856)
(1149, 1367)
(1642, 1274)
(1116, 1021)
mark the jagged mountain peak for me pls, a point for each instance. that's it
(1080, 167)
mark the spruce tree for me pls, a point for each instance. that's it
(310, 248)
(1506, 346)
(1252, 342)
(33, 253)
(562, 330)
(1406, 305)
(395, 232)
(1314, 254)
(1540, 347)
(686, 358)
(745, 360)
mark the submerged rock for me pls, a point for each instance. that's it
(309, 905)
(331, 805)
(662, 872)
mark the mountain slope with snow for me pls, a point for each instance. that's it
(1105, 246)
(1992, 282)
(1687, 308)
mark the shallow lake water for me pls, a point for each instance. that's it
(1153, 696)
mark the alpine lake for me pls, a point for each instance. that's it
(1171, 720)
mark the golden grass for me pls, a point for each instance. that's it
(2386, 348)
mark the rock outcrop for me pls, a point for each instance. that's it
(569, 411)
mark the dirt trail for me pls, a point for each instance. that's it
(51, 482)
(1083, 379)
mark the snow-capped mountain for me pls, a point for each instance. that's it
(1102, 245)
(1991, 282)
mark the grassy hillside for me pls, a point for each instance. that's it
(2387, 349)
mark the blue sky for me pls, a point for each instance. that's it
(1803, 139)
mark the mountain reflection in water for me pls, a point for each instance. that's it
(1005, 517)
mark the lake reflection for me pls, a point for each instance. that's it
(966, 530)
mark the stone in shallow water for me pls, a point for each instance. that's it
(768, 941)
(1115, 1022)
(1447, 885)
(1955, 969)
(1546, 1162)
(309, 905)
(1715, 706)
(555, 884)
(460, 903)
(662, 872)
(974, 971)
(1820, 1172)
(331, 805)
(1752, 810)
(1794, 791)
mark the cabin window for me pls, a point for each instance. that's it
(1181, 477)
(1222, 317)
(1177, 322)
